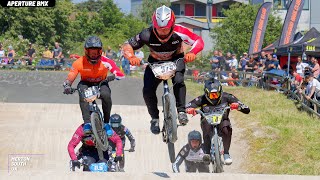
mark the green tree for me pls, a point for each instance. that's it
(234, 32)
(148, 7)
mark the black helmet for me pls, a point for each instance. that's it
(93, 42)
(213, 91)
(194, 135)
(115, 120)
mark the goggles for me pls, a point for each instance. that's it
(214, 95)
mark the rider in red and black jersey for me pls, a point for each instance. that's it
(164, 39)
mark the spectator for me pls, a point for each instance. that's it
(316, 68)
(313, 87)
(119, 54)
(57, 51)
(272, 63)
(222, 61)
(2, 53)
(46, 53)
(11, 55)
(139, 54)
(231, 80)
(228, 61)
(243, 61)
(261, 60)
(297, 81)
(31, 54)
(214, 61)
(301, 66)
(251, 65)
(233, 62)
(124, 63)
(110, 53)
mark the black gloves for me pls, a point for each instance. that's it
(74, 164)
(67, 88)
(117, 158)
(111, 77)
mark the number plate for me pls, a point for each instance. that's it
(98, 167)
(165, 70)
(216, 119)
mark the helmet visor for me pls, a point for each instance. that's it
(115, 125)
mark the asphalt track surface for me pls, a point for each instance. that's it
(37, 122)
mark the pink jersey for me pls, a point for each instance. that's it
(78, 135)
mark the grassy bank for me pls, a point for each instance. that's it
(282, 139)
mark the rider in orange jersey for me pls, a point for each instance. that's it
(93, 68)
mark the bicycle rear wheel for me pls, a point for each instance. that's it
(99, 131)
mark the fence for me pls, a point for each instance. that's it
(264, 81)
(39, 63)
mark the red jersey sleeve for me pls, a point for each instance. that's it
(113, 68)
(189, 38)
(115, 138)
(75, 140)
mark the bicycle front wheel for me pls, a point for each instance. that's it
(99, 131)
(218, 167)
(170, 117)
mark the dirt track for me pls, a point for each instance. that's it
(43, 130)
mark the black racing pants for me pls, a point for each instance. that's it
(105, 96)
(194, 166)
(90, 155)
(224, 130)
(150, 87)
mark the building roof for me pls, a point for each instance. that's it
(194, 22)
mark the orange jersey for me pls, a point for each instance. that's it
(93, 72)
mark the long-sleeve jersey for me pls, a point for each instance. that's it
(170, 50)
(186, 154)
(78, 135)
(123, 131)
(226, 99)
(93, 72)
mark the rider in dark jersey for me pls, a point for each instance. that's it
(193, 155)
(164, 39)
(214, 97)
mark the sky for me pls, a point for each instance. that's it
(124, 5)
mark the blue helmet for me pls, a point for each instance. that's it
(115, 120)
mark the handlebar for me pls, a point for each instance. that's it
(110, 78)
(203, 115)
(163, 61)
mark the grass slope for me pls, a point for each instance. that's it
(282, 139)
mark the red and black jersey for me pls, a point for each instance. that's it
(170, 50)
